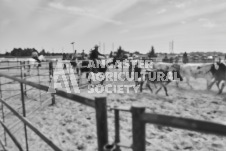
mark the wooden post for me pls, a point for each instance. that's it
(117, 130)
(101, 119)
(3, 115)
(138, 129)
(23, 104)
(50, 80)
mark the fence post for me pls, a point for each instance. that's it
(117, 130)
(23, 104)
(29, 67)
(25, 86)
(138, 128)
(101, 119)
(50, 80)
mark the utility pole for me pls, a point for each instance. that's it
(171, 47)
(73, 46)
(103, 48)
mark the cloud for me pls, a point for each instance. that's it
(55, 23)
(183, 22)
(4, 23)
(124, 31)
(207, 23)
(74, 9)
(104, 15)
(180, 5)
(88, 12)
(161, 11)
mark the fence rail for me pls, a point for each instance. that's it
(140, 118)
(98, 103)
(11, 136)
(25, 121)
(74, 97)
(185, 123)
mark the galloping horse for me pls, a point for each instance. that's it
(84, 67)
(32, 63)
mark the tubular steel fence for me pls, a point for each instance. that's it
(98, 103)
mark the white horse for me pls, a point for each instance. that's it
(32, 63)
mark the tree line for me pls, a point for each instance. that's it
(19, 52)
(120, 54)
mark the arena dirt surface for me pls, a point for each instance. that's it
(72, 126)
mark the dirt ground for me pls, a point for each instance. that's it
(72, 126)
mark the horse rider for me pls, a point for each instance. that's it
(137, 74)
(130, 69)
(74, 59)
(35, 56)
(83, 54)
(94, 55)
(64, 58)
(74, 56)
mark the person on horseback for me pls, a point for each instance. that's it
(64, 58)
(94, 55)
(74, 55)
(35, 56)
(83, 54)
(73, 59)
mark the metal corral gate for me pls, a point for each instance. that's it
(98, 103)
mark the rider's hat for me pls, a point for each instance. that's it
(96, 46)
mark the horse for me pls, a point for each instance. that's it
(218, 71)
(151, 77)
(32, 63)
(84, 67)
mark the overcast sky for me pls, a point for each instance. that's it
(136, 25)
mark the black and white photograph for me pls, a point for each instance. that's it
(112, 75)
